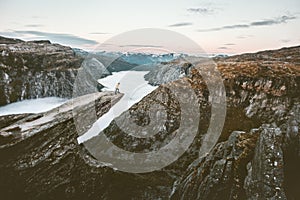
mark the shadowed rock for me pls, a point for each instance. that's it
(47, 156)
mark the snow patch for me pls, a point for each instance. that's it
(6, 77)
(32, 106)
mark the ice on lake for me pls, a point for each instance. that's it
(134, 87)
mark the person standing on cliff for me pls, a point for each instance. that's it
(117, 88)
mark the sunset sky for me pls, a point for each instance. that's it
(231, 26)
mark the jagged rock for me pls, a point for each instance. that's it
(246, 166)
(220, 174)
(168, 71)
(266, 170)
(291, 149)
(36, 69)
(86, 81)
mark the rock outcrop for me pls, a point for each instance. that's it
(291, 148)
(265, 172)
(220, 174)
(41, 159)
(254, 165)
(36, 69)
(56, 164)
(166, 72)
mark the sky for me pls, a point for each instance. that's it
(217, 26)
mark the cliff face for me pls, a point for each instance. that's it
(258, 160)
(258, 164)
(36, 69)
(168, 71)
(257, 155)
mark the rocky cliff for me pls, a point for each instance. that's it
(259, 159)
(41, 159)
(38, 69)
(257, 155)
(168, 71)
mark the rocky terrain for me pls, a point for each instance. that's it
(257, 155)
(168, 71)
(259, 159)
(36, 69)
(55, 166)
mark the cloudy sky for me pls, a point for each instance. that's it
(218, 26)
